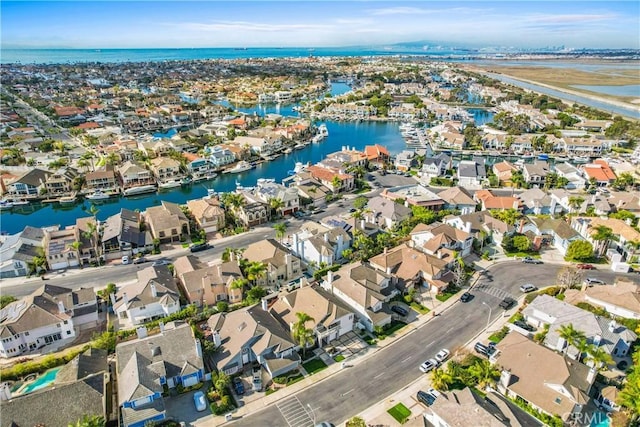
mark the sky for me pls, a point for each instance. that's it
(166, 24)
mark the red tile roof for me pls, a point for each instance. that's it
(376, 151)
(600, 170)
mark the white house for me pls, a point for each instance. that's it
(431, 238)
(18, 250)
(316, 243)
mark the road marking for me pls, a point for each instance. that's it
(378, 376)
(347, 392)
(405, 359)
(294, 413)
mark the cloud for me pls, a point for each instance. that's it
(249, 26)
(570, 19)
(400, 10)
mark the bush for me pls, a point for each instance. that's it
(22, 369)
(318, 274)
(222, 306)
(496, 337)
(579, 250)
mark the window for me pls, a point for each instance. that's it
(66, 322)
(26, 334)
(68, 332)
(174, 231)
(162, 234)
(558, 400)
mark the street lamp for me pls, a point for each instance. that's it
(489, 318)
(312, 413)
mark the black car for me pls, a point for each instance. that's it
(466, 297)
(399, 310)
(200, 247)
(507, 303)
(482, 349)
(140, 260)
(238, 386)
(425, 398)
(524, 325)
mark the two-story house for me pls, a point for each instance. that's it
(30, 183)
(100, 180)
(434, 237)
(18, 250)
(167, 222)
(572, 174)
(481, 225)
(626, 243)
(471, 173)
(208, 214)
(434, 167)
(317, 244)
(386, 213)
(133, 175)
(268, 190)
(535, 173)
(281, 265)
(207, 285)
(458, 199)
(554, 232)
(61, 181)
(123, 234)
(220, 156)
(165, 169)
(406, 160)
(59, 249)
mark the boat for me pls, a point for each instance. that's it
(5, 205)
(240, 167)
(187, 180)
(288, 151)
(142, 189)
(580, 159)
(211, 176)
(67, 200)
(299, 167)
(97, 195)
(19, 202)
(173, 183)
(298, 146)
(322, 130)
(544, 157)
(317, 138)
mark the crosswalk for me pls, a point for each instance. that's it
(493, 291)
(294, 413)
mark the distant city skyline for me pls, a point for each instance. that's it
(173, 24)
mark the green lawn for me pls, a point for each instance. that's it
(496, 337)
(419, 308)
(448, 293)
(339, 358)
(393, 327)
(313, 366)
(400, 412)
(522, 254)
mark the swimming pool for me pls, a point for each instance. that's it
(600, 419)
(41, 382)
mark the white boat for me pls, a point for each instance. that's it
(19, 203)
(211, 176)
(97, 195)
(322, 130)
(211, 192)
(240, 167)
(5, 205)
(169, 184)
(287, 151)
(580, 159)
(142, 189)
(298, 146)
(67, 200)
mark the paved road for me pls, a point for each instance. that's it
(390, 369)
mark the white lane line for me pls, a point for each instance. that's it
(347, 392)
(405, 359)
(378, 376)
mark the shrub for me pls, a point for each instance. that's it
(496, 337)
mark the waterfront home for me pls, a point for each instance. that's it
(627, 242)
(46, 320)
(385, 213)
(503, 170)
(404, 111)
(585, 146)
(593, 125)
(122, 234)
(471, 173)
(601, 332)
(100, 180)
(282, 266)
(133, 175)
(436, 237)
(346, 157)
(198, 167)
(415, 195)
(61, 181)
(489, 201)
(58, 248)
(559, 386)
(167, 222)
(251, 212)
(480, 225)
(268, 190)
(406, 160)
(318, 244)
(434, 167)
(207, 213)
(331, 317)
(365, 290)
(153, 295)
(534, 173)
(556, 233)
(377, 155)
(250, 336)
(623, 200)
(147, 364)
(203, 285)
(30, 183)
(311, 190)
(572, 174)
(335, 179)
(87, 234)
(458, 199)
(351, 110)
(220, 156)
(620, 299)
(257, 145)
(535, 201)
(165, 169)
(18, 250)
(600, 171)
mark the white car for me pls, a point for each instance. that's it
(528, 287)
(442, 355)
(433, 392)
(200, 401)
(429, 365)
(125, 260)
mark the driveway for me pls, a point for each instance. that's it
(182, 408)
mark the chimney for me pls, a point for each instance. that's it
(561, 343)
(216, 338)
(112, 297)
(61, 309)
(591, 375)
(597, 338)
(198, 347)
(384, 251)
(264, 304)
(5, 391)
(613, 325)
(161, 325)
(232, 255)
(330, 277)
(505, 378)
(125, 298)
(326, 237)
(154, 290)
(362, 224)
(467, 227)
(296, 242)
(141, 332)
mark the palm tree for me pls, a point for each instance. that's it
(226, 254)
(575, 202)
(629, 396)
(336, 183)
(281, 230)
(603, 236)
(441, 380)
(275, 204)
(583, 347)
(255, 270)
(76, 247)
(112, 159)
(303, 336)
(484, 372)
(571, 335)
(234, 200)
(599, 357)
(60, 146)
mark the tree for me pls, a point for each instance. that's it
(579, 250)
(255, 270)
(484, 373)
(509, 216)
(281, 230)
(303, 335)
(5, 300)
(441, 380)
(603, 236)
(233, 200)
(623, 181)
(599, 357)
(575, 202)
(356, 422)
(112, 159)
(38, 263)
(275, 204)
(521, 243)
(571, 335)
(105, 341)
(360, 202)
(518, 180)
(336, 183)
(226, 254)
(90, 421)
(221, 383)
(255, 294)
(568, 277)
(629, 396)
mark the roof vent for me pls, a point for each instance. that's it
(155, 351)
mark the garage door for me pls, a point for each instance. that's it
(190, 381)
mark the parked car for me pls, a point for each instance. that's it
(590, 281)
(442, 355)
(140, 260)
(524, 325)
(429, 365)
(425, 398)
(529, 260)
(125, 259)
(160, 262)
(324, 424)
(200, 401)
(585, 267)
(466, 297)
(528, 287)
(398, 309)
(507, 303)
(481, 348)
(238, 386)
(199, 247)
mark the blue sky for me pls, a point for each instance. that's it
(128, 24)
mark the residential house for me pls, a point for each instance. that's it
(348, 157)
(100, 180)
(207, 213)
(629, 201)
(133, 175)
(481, 225)
(535, 201)
(258, 145)
(377, 155)
(584, 146)
(122, 234)
(432, 238)
(627, 243)
(207, 285)
(571, 173)
(332, 318)
(268, 190)
(458, 199)
(167, 222)
(600, 171)
(599, 331)
(61, 181)
(503, 170)
(365, 290)
(58, 248)
(30, 183)
(147, 364)
(622, 299)
(165, 169)
(318, 244)
(18, 250)
(471, 173)
(48, 319)
(251, 213)
(87, 234)
(415, 195)
(335, 179)
(549, 231)
(535, 173)
(434, 167)
(282, 266)
(406, 160)
(198, 167)
(220, 156)
(559, 386)
(489, 201)
(311, 190)
(252, 335)
(154, 295)
(386, 213)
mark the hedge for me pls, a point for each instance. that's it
(20, 370)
